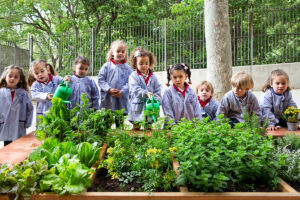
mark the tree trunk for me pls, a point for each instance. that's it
(218, 46)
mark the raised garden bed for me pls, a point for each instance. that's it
(281, 132)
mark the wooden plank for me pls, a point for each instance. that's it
(4, 197)
(18, 150)
(281, 132)
(286, 187)
(172, 196)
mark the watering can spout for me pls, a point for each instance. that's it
(63, 91)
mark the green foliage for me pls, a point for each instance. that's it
(52, 151)
(22, 179)
(71, 177)
(289, 146)
(146, 159)
(211, 153)
(88, 154)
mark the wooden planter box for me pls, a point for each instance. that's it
(281, 132)
(287, 193)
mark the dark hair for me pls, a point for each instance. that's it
(180, 66)
(22, 83)
(274, 73)
(31, 78)
(139, 51)
(82, 60)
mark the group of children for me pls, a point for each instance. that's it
(128, 88)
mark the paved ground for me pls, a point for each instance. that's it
(295, 92)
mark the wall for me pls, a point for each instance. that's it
(259, 73)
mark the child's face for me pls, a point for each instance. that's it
(143, 64)
(239, 92)
(12, 78)
(178, 77)
(41, 73)
(119, 53)
(204, 93)
(81, 69)
(279, 84)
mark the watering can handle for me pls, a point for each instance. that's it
(152, 100)
(67, 85)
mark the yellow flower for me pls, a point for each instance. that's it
(109, 150)
(149, 151)
(172, 149)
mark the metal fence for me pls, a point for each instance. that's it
(259, 36)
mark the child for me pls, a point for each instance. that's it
(80, 83)
(43, 82)
(16, 110)
(113, 79)
(277, 98)
(142, 84)
(179, 100)
(239, 99)
(208, 105)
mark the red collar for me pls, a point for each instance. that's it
(183, 93)
(49, 79)
(122, 62)
(12, 95)
(203, 103)
(148, 77)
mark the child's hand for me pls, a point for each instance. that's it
(67, 78)
(113, 91)
(49, 96)
(149, 94)
(118, 94)
(272, 128)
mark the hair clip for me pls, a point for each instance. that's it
(137, 53)
(47, 64)
(185, 67)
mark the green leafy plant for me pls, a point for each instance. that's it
(70, 177)
(211, 154)
(145, 159)
(22, 179)
(88, 154)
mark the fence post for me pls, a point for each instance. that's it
(251, 46)
(165, 34)
(30, 47)
(15, 52)
(93, 51)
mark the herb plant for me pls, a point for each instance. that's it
(211, 155)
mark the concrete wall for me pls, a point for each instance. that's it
(259, 74)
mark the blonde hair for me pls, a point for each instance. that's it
(31, 77)
(242, 80)
(275, 73)
(113, 46)
(139, 51)
(207, 84)
(22, 82)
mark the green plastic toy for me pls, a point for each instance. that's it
(152, 108)
(63, 91)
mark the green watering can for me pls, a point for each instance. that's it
(152, 108)
(63, 91)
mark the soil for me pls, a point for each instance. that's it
(294, 185)
(104, 183)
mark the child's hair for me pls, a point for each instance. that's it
(139, 51)
(82, 60)
(274, 73)
(180, 66)
(113, 46)
(31, 78)
(22, 83)
(242, 80)
(207, 84)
